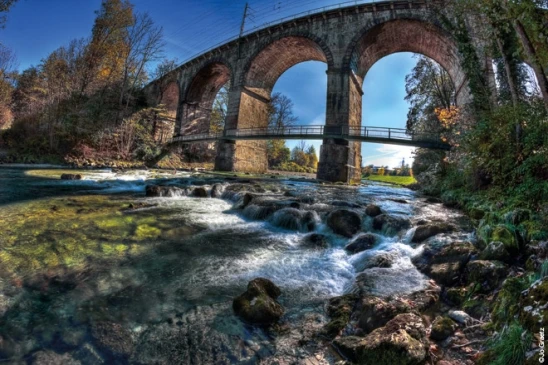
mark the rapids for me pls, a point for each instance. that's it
(163, 271)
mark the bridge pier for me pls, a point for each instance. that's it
(246, 109)
(340, 160)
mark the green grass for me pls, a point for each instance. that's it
(399, 180)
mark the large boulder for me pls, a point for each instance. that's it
(113, 339)
(389, 224)
(373, 210)
(71, 177)
(164, 191)
(344, 222)
(401, 342)
(428, 230)
(258, 305)
(361, 243)
(533, 305)
(489, 274)
(445, 263)
(373, 312)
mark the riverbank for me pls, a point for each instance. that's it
(396, 180)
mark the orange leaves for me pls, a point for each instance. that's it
(447, 117)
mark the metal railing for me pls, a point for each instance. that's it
(285, 19)
(364, 134)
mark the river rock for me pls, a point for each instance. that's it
(382, 260)
(164, 191)
(52, 358)
(339, 310)
(295, 219)
(444, 263)
(495, 251)
(344, 222)
(361, 243)
(199, 192)
(373, 210)
(258, 304)
(112, 338)
(460, 316)
(71, 177)
(487, 273)
(533, 312)
(389, 224)
(315, 241)
(442, 327)
(217, 191)
(401, 341)
(428, 230)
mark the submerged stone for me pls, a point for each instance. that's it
(373, 210)
(112, 338)
(315, 241)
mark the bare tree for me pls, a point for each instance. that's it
(281, 112)
(4, 8)
(144, 44)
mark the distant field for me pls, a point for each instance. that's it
(400, 180)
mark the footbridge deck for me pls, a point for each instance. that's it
(395, 136)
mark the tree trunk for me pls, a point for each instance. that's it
(508, 71)
(533, 59)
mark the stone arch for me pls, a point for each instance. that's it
(278, 55)
(409, 34)
(199, 94)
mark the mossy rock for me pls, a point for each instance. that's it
(258, 305)
(442, 327)
(517, 216)
(533, 312)
(487, 273)
(402, 341)
(457, 296)
(339, 310)
(496, 250)
(477, 308)
(508, 237)
(506, 304)
(476, 213)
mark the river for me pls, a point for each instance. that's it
(162, 272)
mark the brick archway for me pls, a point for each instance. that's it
(198, 97)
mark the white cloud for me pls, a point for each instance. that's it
(390, 155)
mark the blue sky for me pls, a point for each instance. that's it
(37, 27)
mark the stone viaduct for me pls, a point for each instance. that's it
(349, 40)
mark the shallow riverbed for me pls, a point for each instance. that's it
(97, 272)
